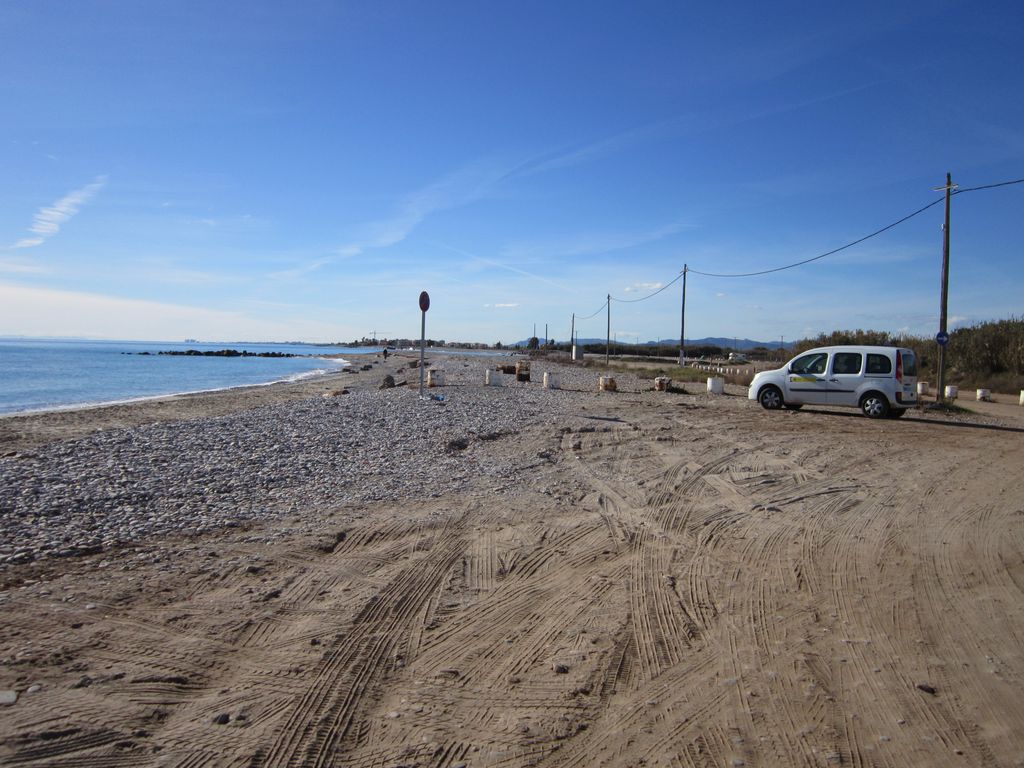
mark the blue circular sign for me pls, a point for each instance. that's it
(942, 338)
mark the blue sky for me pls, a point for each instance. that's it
(302, 171)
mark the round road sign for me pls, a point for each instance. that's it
(424, 301)
(942, 338)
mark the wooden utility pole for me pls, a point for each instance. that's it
(943, 337)
(682, 324)
(608, 337)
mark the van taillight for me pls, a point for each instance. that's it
(899, 367)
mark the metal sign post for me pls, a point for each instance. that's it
(424, 306)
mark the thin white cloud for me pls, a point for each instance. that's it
(643, 287)
(21, 267)
(685, 123)
(499, 265)
(509, 305)
(587, 243)
(49, 219)
(28, 242)
(305, 269)
(584, 153)
(32, 311)
(452, 191)
(177, 276)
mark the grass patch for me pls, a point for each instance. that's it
(642, 371)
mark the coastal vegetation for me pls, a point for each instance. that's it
(989, 354)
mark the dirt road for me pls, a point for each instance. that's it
(672, 581)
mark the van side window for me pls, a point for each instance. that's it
(879, 364)
(846, 362)
(810, 363)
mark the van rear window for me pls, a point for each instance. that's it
(879, 365)
(909, 363)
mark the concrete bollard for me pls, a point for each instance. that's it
(984, 395)
(951, 392)
(607, 384)
(1021, 401)
(923, 387)
(716, 385)
(435, 377)
(494, 378)
(551, 381)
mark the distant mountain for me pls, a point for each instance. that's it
(714, 341)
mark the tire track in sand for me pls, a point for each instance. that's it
(322, 719)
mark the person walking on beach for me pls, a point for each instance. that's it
(385, 354)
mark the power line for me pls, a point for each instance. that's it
(645, 298)
(988, 186)
(599, 311)
(860, 240)
(607, 303)
(828, 253)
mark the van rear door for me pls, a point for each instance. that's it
(906, 377)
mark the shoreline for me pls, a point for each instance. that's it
(292, 379)
(25, 430)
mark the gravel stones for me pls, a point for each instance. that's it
(122, 486)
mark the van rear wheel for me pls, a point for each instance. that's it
(770, 398)
(874, 405)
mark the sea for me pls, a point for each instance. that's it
(37, 375)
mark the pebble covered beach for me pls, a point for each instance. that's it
(120, 486)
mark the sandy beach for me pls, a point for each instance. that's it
(326, 573)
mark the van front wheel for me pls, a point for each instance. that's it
(874, 405)
(770, 398)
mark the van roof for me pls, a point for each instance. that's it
(881, 349)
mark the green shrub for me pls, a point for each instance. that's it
(989, 355)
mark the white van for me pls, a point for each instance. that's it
(881, 381)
